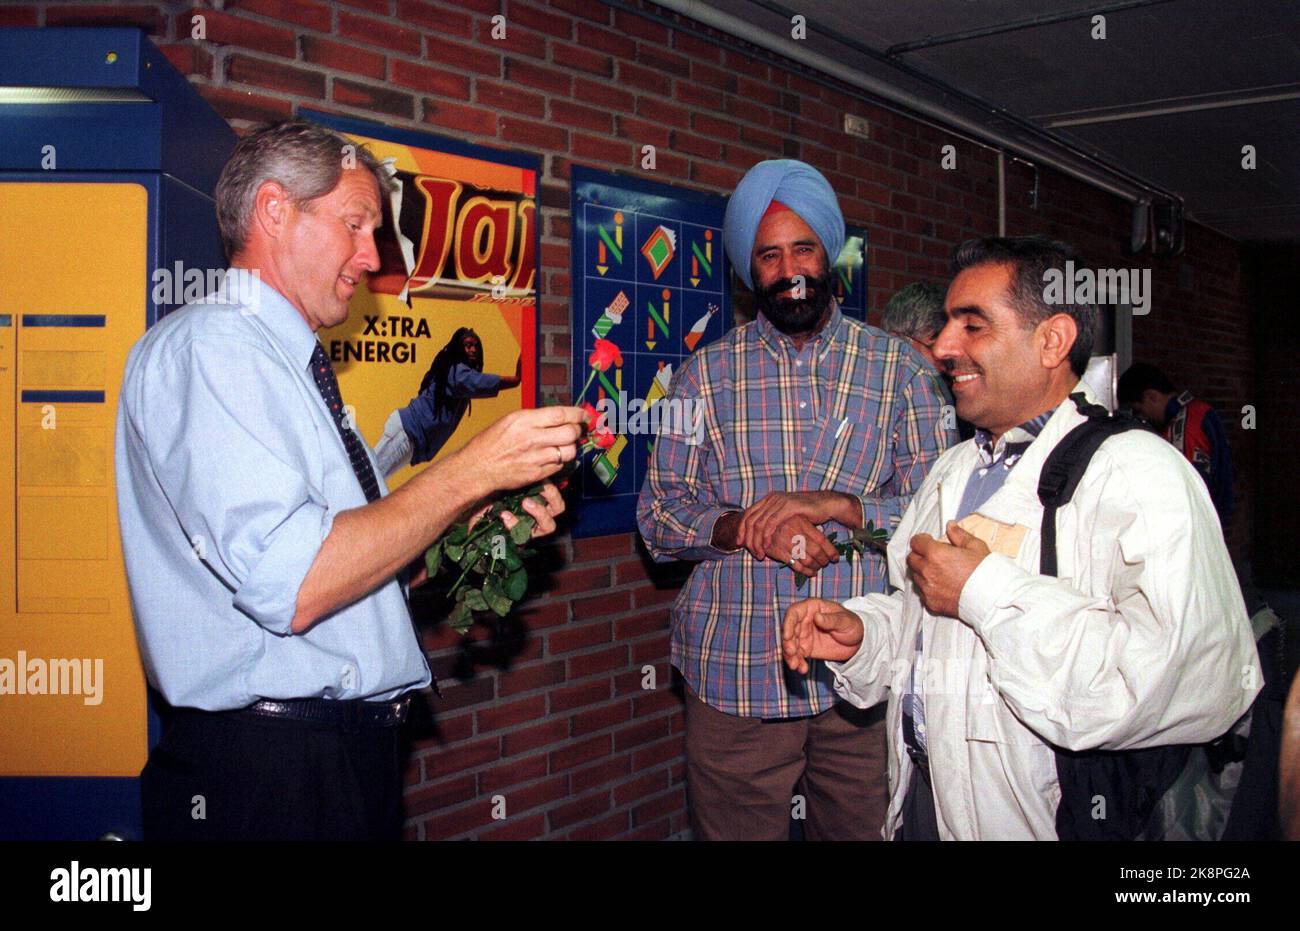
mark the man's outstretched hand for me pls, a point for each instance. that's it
(819, 629)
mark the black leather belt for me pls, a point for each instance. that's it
(352, 712)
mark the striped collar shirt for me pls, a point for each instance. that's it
(996, 460)
(852, 410)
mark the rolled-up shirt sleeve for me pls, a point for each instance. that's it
(240, 485)
(465, 382)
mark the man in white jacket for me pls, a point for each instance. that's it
(1140, 641)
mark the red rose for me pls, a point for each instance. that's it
(603, 438)
(593, 415)
(605, 355)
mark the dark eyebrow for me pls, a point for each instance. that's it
(970, 310)
(797, 242)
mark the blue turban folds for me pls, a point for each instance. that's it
(799, 186)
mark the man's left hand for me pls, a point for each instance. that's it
(940, 570)
(543, 514)
(760, 523)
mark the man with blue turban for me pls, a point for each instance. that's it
(812, 426)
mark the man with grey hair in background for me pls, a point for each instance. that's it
(915, 313)
(262, 549)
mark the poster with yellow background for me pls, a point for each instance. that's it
(458, 248)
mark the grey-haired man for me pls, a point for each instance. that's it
(261, 546)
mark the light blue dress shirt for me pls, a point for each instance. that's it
(230, 473)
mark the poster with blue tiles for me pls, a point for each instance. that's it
(651, 277)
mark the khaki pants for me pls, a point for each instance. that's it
(742, 773)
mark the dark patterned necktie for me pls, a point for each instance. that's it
(323, 372)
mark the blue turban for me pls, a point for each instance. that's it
(799, 186)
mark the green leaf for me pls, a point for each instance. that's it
(513, 558)
(800, 580)
(522, 531)
(454, 551)
(462, 618)
(474, 600)
(458, 534)
(433, 558)
(516, 583)
(497, 600)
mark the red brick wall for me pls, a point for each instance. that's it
(567, 735)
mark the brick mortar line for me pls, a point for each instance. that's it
(614, 809)
(177, 18)
(620, 780)
(566, 715)
(548, 806)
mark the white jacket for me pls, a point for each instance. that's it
(1142, 640)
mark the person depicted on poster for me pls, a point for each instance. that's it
(415, 433)
(458, 257)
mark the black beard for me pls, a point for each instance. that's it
(790, 315)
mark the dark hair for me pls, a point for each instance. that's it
(305, 158)
(1139, 377)
(1030, 258)
(916, 311)
(448, 356)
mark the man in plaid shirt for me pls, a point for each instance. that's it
(812, 423)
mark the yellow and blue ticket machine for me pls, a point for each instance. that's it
(108, 161)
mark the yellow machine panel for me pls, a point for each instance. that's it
(72, 691)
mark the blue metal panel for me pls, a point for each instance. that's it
(75, 56)
(68, 808)
(173, 131)
(79, 137)
(188, 234)
(63, 320)
(66, 396)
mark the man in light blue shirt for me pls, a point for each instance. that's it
(261, 546)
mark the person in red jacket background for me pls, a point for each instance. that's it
(1186, 421)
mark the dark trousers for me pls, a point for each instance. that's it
(235, 776)
(742, 774)
(920, 822)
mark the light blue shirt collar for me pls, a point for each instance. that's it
(284, 321)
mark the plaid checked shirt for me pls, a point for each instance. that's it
(853, 411)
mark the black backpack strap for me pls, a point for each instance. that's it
(1066, 464)
(1105, 795)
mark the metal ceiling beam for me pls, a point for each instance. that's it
(1034, 22)
(1053, 152)
(1131, 112)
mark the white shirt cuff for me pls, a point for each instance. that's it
(991, 580)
